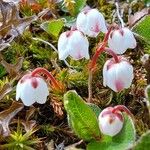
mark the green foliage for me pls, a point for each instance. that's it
(147, 92)
(143, 143)
(77, 79)
(21, 141)
(147, 2)
(79, 5)
(82, 118)
(95, 109)
(143, 28)
(2, 71)
(53, 27)
(121, 141)
(47, 129)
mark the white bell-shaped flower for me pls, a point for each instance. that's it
(117, 76)
(110, 123)
(32, 89)
(121, 39)
(73, 43)
(91, 22)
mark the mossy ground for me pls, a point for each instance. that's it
(50, 118)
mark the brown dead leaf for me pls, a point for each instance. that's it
(28, 124)
(5, 90)
(133, 19)
(13, 69)
(11, 25)
(7, 115)
(30, 112)
(50, 145)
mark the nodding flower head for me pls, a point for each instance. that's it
(110, 123)
(117, 76)
(121, 39)
(73, 43)
(91, 22)
(31, 89)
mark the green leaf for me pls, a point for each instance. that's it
(142, 28)
(79, 5)
(147, 2)
(53, 27)
(121, 141)
(81, 117)
(95, 109)
(147, 93)
(143, 143)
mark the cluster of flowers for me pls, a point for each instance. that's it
(90, 22)
(117, 73)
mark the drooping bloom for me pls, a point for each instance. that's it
(73, 43)
(117, 76)
(91, 22)
(32, 89)
(110, 123)
(121, 39)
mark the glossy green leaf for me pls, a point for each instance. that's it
(121, 141)
(53, 27)
(79, 5)
(142, 28)
(81, 117)
(143, 143)
(95, 109)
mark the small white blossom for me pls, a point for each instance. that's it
(117, 76)
(91, 22)
(73, 43)
(121, 39)
(32, 89)
(110, 123)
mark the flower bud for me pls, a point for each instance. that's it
(121, 39)
(73, 43)
(117, 76)
(32, 89)
(91, 22)
(110, 123)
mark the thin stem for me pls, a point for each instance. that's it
(90, 87)
(99, 50)
(48, 74)
(112, 53)
(93, 63)
(118, 14)
(54, 48)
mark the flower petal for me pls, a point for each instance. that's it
(119, 76)
(91, 22)
(27, 93)
(63, 46)
(130, 40)
(116, 42)
(41, 91)
(78, 46)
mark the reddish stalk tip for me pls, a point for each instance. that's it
(48, 74)
(122, 108)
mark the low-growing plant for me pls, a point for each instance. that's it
(109, 128)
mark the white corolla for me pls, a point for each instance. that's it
(110, 123)
(121, 39)
(117, 76)
(32, 89)
(91, 22)
(73, 43)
